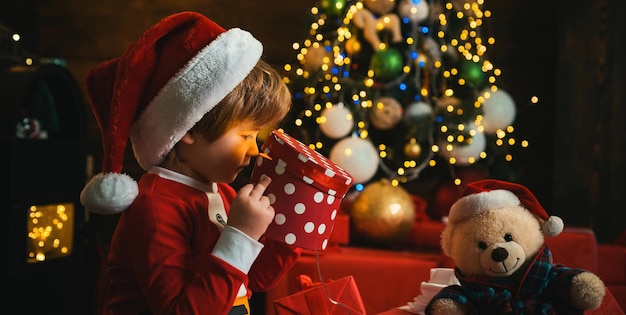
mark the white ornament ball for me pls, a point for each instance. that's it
(415, 10)
(467, 153)
(356, 156)
(417, 111)
(336, 121)
(498, 111)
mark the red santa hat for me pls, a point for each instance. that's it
(491, 194)
(156, 91)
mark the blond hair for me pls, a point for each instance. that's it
(262, 97)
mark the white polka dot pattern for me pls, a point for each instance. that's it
(306, 191)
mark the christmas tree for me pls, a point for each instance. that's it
(402, 90)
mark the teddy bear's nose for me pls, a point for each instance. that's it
(499, 254)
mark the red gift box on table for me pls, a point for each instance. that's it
(306, 191)
(335, 297)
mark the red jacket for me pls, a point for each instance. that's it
(162, 251)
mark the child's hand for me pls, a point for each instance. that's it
(251, 212)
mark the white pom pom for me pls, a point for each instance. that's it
(109, 193)
(553, 226)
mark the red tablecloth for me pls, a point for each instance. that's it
(386, 279)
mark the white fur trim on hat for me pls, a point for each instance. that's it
(473, 204)
(202, 83)
(109, 193)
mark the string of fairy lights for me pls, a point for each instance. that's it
(411, 77)
(50, 232)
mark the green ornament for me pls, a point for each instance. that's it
(333, 7)
(472, 73)
(387, 63)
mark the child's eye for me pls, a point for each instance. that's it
(248, 137)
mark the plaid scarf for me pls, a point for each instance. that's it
(543, 288)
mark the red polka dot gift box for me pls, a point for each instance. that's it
(306, 191)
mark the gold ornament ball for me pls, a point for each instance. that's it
(385, 113)
(382, 213)
(353, 46)
(412, 149)
(315, 57)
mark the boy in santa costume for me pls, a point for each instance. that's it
(192, 97)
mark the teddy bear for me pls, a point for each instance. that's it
(496, 237)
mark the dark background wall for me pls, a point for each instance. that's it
(565, 52)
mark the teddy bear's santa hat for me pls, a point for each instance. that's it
(160, 87)
(492, 194)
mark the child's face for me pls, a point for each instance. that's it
(222, 159)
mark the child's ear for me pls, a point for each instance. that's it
(188, 138)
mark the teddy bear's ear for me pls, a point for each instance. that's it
(446, 239)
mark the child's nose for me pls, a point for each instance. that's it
(253, 150)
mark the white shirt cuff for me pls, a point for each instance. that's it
(237, 248)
